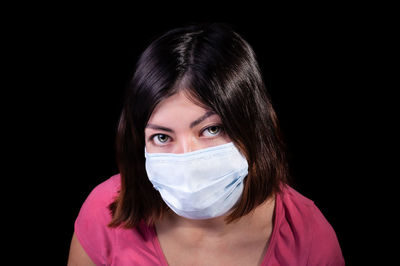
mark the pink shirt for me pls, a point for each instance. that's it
(301, 234)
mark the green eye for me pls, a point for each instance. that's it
(160, 138)
(213, 130)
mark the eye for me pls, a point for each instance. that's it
(212, 131)
(160, 139)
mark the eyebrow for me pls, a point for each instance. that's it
(192, 124)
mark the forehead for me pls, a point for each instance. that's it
(177, 106)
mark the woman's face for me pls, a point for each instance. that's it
(177, 125)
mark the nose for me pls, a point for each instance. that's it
(187, 144)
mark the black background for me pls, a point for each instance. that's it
(72, 68)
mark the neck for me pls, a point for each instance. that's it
(216, 225)
(259, 220)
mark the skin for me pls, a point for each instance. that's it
(187, 127)
(77, 255)
(210, 241)
(177, 125)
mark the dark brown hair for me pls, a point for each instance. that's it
(218, 69)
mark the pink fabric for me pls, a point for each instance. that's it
(301, 234)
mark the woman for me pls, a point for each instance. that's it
(203, 176)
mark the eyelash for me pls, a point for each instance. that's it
(220, 127)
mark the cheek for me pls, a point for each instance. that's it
(194, 140)
(227, 138)
(206, 143)
(150, 148)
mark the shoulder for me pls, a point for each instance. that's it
(96, 204)
(91, 225)
(105, 245)
(104, 193)
(310, 230)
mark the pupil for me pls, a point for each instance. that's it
(162, 138)
(213, 130)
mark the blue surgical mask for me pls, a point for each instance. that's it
(201, 184)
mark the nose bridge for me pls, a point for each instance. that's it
(186, 144)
